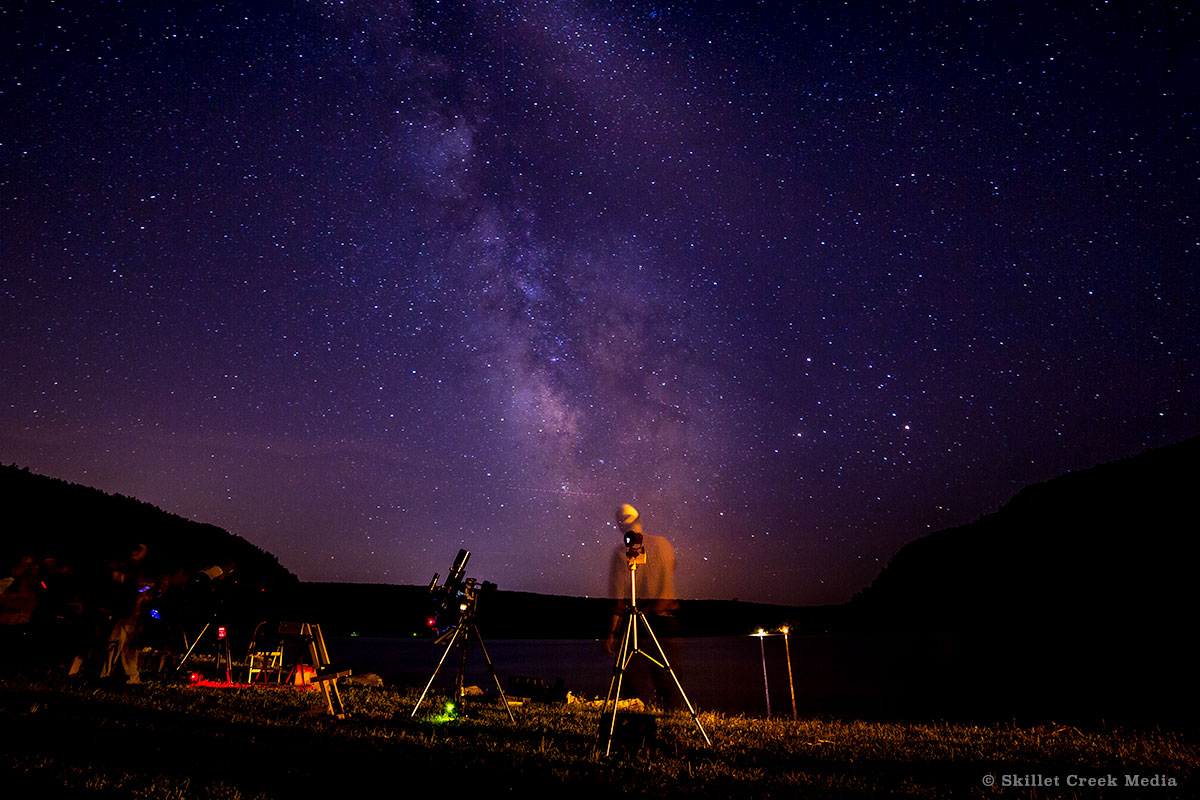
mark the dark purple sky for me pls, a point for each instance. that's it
(368, 282)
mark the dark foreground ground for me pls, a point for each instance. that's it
(174, 740)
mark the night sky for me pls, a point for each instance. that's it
(368, 282)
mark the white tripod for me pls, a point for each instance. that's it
(631, 617)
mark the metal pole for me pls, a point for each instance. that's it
(762, 635)
(791, 685)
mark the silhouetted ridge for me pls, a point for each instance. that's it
(1102, 548)
(81, 527)
(380, 610)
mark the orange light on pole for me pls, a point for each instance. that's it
(788, 653)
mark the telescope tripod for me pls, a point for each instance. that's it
(463, 631)
(222, 649)
(631, 618)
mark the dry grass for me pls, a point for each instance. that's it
(167, 740)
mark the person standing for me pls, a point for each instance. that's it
(656, 598)
(131, 601)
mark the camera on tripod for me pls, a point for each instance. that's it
(635, 547)
(456, 598)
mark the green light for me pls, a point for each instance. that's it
(449, 714)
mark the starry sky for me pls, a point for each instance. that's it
(367, 282)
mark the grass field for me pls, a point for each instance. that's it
(173, 740)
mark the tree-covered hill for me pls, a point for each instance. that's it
(81, 527)
(1107, 548)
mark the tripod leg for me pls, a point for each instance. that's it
(445, 653)
(617, 663)
(495, 677)
(678, 685)
(186, 655)
(460, 679)
(624, 656)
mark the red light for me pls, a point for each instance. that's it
(194, 677)
(431, 622)
(221, 632)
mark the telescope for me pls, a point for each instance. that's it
(455, 598)
(452, 620)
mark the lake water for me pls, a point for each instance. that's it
(884, 674)
(1146, 678)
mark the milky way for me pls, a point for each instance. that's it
(366, 283)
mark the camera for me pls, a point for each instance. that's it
(635, 547)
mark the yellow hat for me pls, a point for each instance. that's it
(626, 514)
